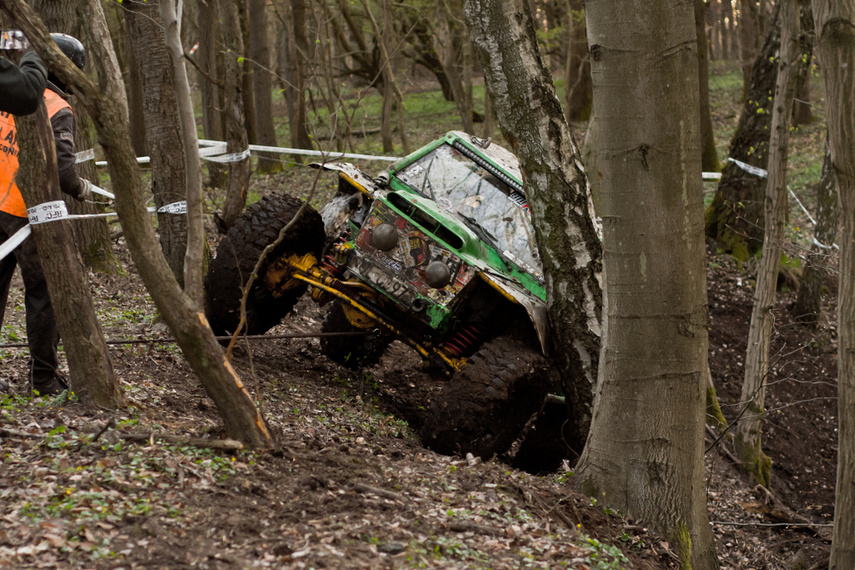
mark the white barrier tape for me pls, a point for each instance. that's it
(764, 174)
(749, 169)
(84, 155)
(47, 212)
(173, 208)
(211, 147)
(711, 175)
(326, 155)
(103, 192)
(233, 157)
(53, 211)
(17, 239)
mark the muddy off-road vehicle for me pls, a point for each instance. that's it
(438, 252)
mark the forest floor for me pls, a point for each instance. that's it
(351, 486)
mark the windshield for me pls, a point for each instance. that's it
(461, 186)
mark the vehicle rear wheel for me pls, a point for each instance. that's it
(256, 228)
(486, 404)
(353, 352)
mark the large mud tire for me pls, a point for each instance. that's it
(353, 352)
(487, 403)
(256, 228)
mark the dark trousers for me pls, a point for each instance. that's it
(42, 333)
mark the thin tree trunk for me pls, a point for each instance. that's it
(748, 34)
(531, 119)
(262, 85)
(709, 156)
(835, 32)
(644, 455)
(148, 48)
(577, 83)
(297, 51)
(748, 435)
(237, 143)
(211, 63)
(193, 237)
(450, 43)
(808, 307)
(92, 377)
(109, 110)
(391, 94)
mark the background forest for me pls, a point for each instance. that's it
(349, 484)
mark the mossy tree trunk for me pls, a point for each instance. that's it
(735, 217)
(749, 431)
(531, 118)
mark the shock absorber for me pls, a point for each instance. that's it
(332, 261)
(465, 339)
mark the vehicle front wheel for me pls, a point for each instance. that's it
(488, 402)
(353, 352)
(256, 228)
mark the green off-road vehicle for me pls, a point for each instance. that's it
(438, 252)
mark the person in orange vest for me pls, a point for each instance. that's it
(42, 333)
(22, 85)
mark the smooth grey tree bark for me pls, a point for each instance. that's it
(531, 118)
(644, 454)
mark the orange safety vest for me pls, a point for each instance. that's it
(11, 200)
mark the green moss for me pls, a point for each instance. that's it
(715, 418)
(756, 464)
(682, 541)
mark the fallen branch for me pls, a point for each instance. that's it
(223, 444)
(4, 432)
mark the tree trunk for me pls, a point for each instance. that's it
(194, 241)
(835, 31)
(92, 235)
(295, 96)
(808, 305)
(148, 47)
(109, 110)
(392, 96)
(735, 217)
(531, 118)
(211, 63)
(709, 156)
(748, 34)
(237, 143)
(92, 377)
(450, 38)
(644, 455)
(748, 435)
(246, 72)
(577, 82)
(262, 85)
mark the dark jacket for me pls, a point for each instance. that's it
(21, 86)
(63, 125)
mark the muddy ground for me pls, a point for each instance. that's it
(351, 486)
